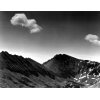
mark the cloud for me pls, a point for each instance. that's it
(22, 20)
(94, 39)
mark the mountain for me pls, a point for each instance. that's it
(84, 72)
(63, 65)
(62, 71)
(16, 71)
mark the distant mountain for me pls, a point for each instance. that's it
(62, 71)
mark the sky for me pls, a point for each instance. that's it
(41, 35)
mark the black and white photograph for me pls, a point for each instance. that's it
(49, 49)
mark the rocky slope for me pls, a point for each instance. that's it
(62, 71)
(84, 72)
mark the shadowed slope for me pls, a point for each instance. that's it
(13, 66)
(80, 71)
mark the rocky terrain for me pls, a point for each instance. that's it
(61, 71)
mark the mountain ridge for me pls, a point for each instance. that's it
(61, 71)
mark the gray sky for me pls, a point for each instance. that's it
(62, 32)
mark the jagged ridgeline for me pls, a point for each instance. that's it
(62, 71)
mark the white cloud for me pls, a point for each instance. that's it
(21, 19)
(94, 39)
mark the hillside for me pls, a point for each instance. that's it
(16, 71)
(80, 71)
(62, 71)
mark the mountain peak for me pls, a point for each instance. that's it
(4, 52)
(62, 57)
(67, 66)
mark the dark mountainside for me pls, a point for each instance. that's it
(62, 71)
(84, 72)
